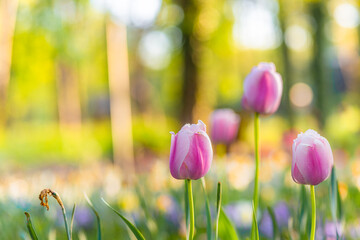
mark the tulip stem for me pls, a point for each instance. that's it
(313, 212)
(191, 206)
(257, 163)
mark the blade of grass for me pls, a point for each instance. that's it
(30, 227)
(218, 209)
(273, 218)
(134, 230)
(208, 213)
(72, 220)
(333, 194)
(339, 203)
(150, 223)
(187, 208)
(303, 212)
(256, 229)
(96, 214)
(339, 209)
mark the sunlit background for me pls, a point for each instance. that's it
(90, 89)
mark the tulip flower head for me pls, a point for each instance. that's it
(191, 152)
(312, 158)
(224, 126)
(262, 89)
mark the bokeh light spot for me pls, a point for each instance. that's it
(154, 50)
(297, 38)
(347, 15)
(301, 95)
(255, 26)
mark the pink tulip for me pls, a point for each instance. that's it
(191, 152)
(312, 158)
(224, 126)
(262, 89)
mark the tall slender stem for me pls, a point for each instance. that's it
(191, 206)
(66, 224)
(257, 167)
(257, 161)
(313, 213)
(218, 207)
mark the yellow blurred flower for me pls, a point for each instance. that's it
(129, 201)
(343, 190)
(163, 203)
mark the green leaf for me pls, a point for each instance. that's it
(226, 228)
(187, 208)
(72, 220)
(303, 202)
(150, 223)
(208, 213)
(255, 224)
(339, 203)
(274, 222)
(335, 200)
(30, 227)
(135, 231)
(333, 194)
(303, 214)
(96, 214)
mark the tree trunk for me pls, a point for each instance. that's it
(317, 11)
(68, 96)
(120, 104)
(190, 71)
(288, 68)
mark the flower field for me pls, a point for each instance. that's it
(179, 119)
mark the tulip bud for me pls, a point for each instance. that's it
(224, 126)
(191, 152)
(312, 158)
(262, 89)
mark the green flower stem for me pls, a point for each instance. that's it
(218, 207)
(313, 213)
(191, 206)
(257, 163)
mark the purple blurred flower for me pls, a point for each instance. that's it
(224, 126)
(262, 89)
(191, 152)
(354, 231)
(282, 216)
(332, 229)
(312, 158)
(83, 218)
(170, 209)
(329, 231)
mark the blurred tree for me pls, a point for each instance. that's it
(317, 11)
(288, 68)
(68, 92)
(8, 10)
(121, 122)
(190, 71)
